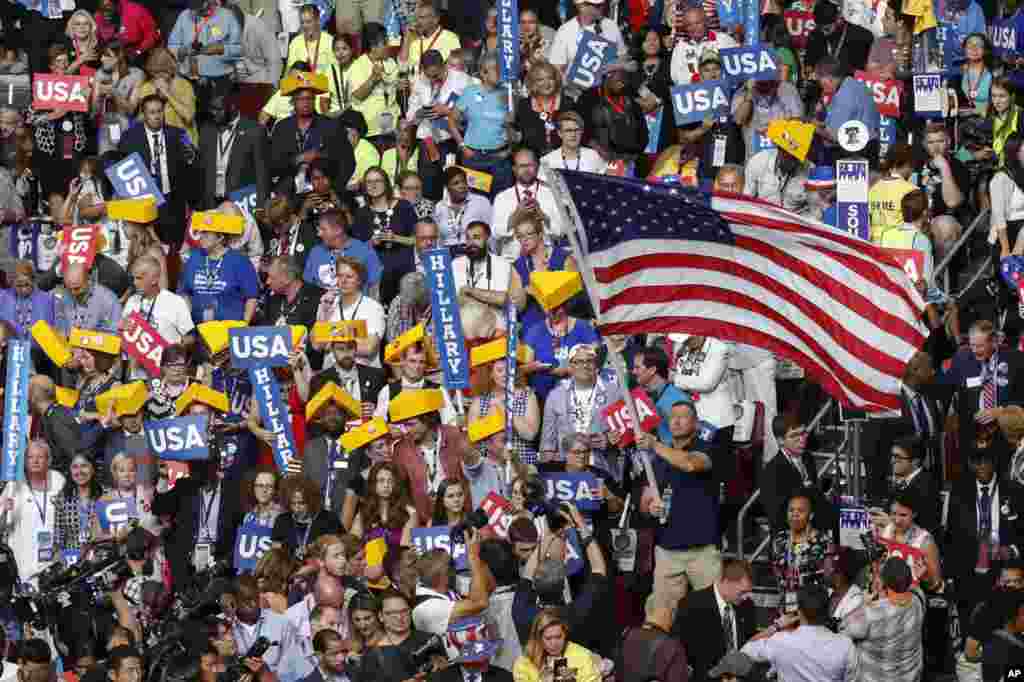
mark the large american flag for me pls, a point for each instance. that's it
(665, 260)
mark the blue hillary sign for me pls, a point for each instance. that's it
(511, 362)
(730, 13)
(439, 537)
(245, 199)
(253, 542)
(508, 40)
(181, 438)
(749, 63)
(260, 347)
(592, 55)
(16, 410)
(131, 180)
(693, 103)
(275, 417)
(451, 345)
(114, 514)
(886, 130)
(752, 22)
(852, 197)
(578, 489)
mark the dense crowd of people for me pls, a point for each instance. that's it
(301, 164)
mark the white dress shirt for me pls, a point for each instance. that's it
(587, 161)
(567, 40)
(426, 94)
(686, 55)
(811, 653)
(505, 204)
(708, 377)
(157, 140)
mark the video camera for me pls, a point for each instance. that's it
(422, 654)
(236, 672)
(537, 504)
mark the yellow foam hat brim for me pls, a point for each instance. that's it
(793, 136)
(212, 221)
(334, 332)
(552, 289)
(215, 334)
(133, 210)
(414, 402)
(364, 434)
(52, 343)
(200, 393)
(393, 351)
(88, 339)
(298, 333)
(68, 397)
(486, 426)
(304, 80)
(126, 399)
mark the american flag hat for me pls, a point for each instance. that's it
(821, 177)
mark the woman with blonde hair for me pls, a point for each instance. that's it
(537, 114)
(82, 34)
(162, 79)
(549, 640)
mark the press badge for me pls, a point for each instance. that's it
(44, 542)
(115, 132)
(209, 313)
(718, 158)
(202, 556)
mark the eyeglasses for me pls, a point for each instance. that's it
(378, 181)
(573, 131)
(269, 486)
(584, 363)
(523, 236)
(396, 614)
(902, 457)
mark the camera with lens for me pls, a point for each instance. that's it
(237, 671)
(475, 519)
(875, 550)
(421, 655)
(537, 504)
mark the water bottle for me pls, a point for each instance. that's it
(666, 499)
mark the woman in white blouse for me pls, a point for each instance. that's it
(28, 512)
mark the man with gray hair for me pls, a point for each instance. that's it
(59, 427)
(288, 299)
(544, 585)
(851, 101)
(164, 310)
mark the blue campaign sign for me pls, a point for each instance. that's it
(15, 410)
(260, 347)
(730, 13)
(451, 345)
(511, 360)
(253, 542)
(886, 130)
(693, 103)
(591, 56)
(113, 514)
(181, 439)
(508, 40)
(928, 95)
(578, 489)
(439, 537)
(746, 63)
(573, 552)
(1003, 34)
(274, 415)
(245, 199)
(852, 197)
(131, 180)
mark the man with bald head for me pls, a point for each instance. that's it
(320, 610)
(164, 310)
(84, 303)
(59, 426)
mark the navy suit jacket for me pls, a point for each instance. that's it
(964, 376)
(134, 140)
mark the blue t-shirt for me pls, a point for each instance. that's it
(829, 216)
(320, 265)
(220, 288)
(484, 112)
(853, 102)
(540, 340)
(693, 512)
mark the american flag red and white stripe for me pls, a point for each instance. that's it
(743, 270)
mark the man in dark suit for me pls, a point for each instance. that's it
(473, 663)
(984, 528)
(232, 153)
(323, 460)
(206, 512)
(984, 377)
(910, 478)
(168, 158)
(305, 136)
(834, 35)
(704, 615)
(790, 470)
(331, 658)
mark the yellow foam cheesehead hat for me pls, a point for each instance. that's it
(126, 399)
(552, 289)
(215, 334)
(413, 402)
(133, 210)
(201, 393)
(68, 397)
(364, 434)
(393, 351)
(88, 339)
(53, 344)
(331, 392)
(304, 80)
(213, 221)
(793, 136)
(485, 427)
(298, 332)
(334, 332)
(496, 350)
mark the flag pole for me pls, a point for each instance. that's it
(564, 202)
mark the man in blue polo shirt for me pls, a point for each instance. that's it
(333, 229)
(686, 552)
(851, 101)
(650, 369)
